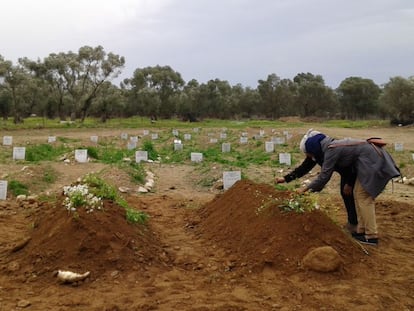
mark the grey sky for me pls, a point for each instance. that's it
(241, 41)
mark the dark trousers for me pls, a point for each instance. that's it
(349, 202)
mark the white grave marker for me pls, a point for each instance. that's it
(278, 140)
(244, 134)
(51, 139)
(19, 153)
(7, 140)
(94, 139)
(213, 140)
(187, 136)
(154, 136)
(261, 133)
(145, 132)
(196, 157)
(225, 147)
(269, 146)
(223, 135)
(3, 189)
(134, 139)
(124, 136)
(285, 158)
(230, 178)
(195, 130)
(141, 155)
(81, 155)
(175, 132)
(243, 140)
(131, 145)
(399, 146)
(178, 146)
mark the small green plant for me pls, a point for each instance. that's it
(79, 196)
(49, 175)
(93, 152)
(134, 216)
(149, 147)
(299, 203)
(100, 188)
(136, 171)
(17, 188)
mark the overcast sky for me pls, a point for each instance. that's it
(241, 41)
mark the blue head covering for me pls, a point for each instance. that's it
(313, 146)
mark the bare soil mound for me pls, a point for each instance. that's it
(99, 242)
(260, 234)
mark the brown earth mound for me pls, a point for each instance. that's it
(99, 242)
(254, 233)
(260, 235)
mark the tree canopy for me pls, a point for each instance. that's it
(79, 84)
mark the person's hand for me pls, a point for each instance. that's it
(280, 180)
(301, 190)
(347, 189)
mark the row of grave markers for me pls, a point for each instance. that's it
(229, 179)
(81, 155)
(133, 140)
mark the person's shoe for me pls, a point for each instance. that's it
(362, 239)
(355, 234)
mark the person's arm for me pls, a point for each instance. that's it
(301, 170)
(328, 167)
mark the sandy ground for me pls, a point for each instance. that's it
(197, 251)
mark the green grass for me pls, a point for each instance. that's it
(143, 122)
(17, 188)
(44, 152)
(49, 175)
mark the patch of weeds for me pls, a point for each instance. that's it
(49, 175)
(149, 147)
(207, 182)
(112, 155)
(299, 203)
(100, 188)
(137, 172)
(66, 140)
(136, 217)
(17, 188)
(47, 198)
(93, 152)
(44, 152)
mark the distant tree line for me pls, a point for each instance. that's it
(77, 85)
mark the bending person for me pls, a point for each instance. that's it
(373, 165)
(348, 177)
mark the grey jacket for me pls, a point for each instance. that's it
(374, 165)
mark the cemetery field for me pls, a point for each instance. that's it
(201, 247)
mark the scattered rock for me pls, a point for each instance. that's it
(124, 189)
(23, 303)
(322, 259)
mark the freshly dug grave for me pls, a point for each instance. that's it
(100, 242)
(248, 222)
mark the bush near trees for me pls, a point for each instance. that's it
(79, 84)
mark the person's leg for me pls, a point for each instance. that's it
(365, 207)
(349, 202)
